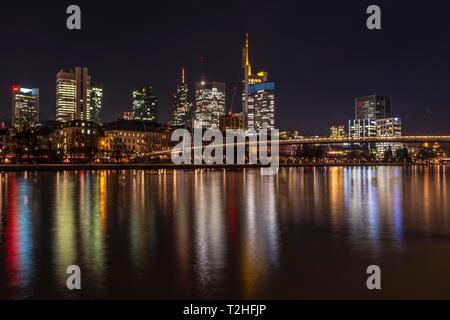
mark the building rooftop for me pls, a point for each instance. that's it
(134, 125)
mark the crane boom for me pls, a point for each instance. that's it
(232, 101)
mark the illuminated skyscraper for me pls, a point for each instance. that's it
(95, 103)
(373, 107)
(25, 107)
(258, 95)
(145, 104)
(209, 104)
(66, 95)
(182, 106)
(74, 94)
(261, 105)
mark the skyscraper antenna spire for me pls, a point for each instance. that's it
(182, 74)
(202, 70)
(246, 60)
(246, 49)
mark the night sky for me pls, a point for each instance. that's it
(319, 53)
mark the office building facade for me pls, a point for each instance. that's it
(209, 104)
(96, 102)
(77, 97)
(362, 128)
(373, 107)
(388, 127)
(145, 104)
(338, 132)
(261, 106)
(232, 121)
(182, 106)
(25, 107)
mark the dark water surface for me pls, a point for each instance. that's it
(306, 233)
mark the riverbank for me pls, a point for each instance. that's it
(170, 166)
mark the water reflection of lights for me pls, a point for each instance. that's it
(65, 225)
(362, 202)
(209, 231)
(19, 238)
(261, 236)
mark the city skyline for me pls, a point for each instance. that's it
(79, 97)
(145, 102)
(307, 83)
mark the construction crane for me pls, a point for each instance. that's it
(230, 112)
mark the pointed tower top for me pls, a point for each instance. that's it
(202, 71)
(247, 59)
(182, 74)
(246, 49)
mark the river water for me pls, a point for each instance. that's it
(306, 233)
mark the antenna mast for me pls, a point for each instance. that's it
(202, 70)
(182, 74)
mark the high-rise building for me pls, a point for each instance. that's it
(76, 96)
(145, 104)
(96, 101)
(182, 106)
(261, 105)
(388, 127)
(258, 95)
(66, 95)
(373, 107)
(25, 107)
(209, 104)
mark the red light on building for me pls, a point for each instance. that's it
(15, 89)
